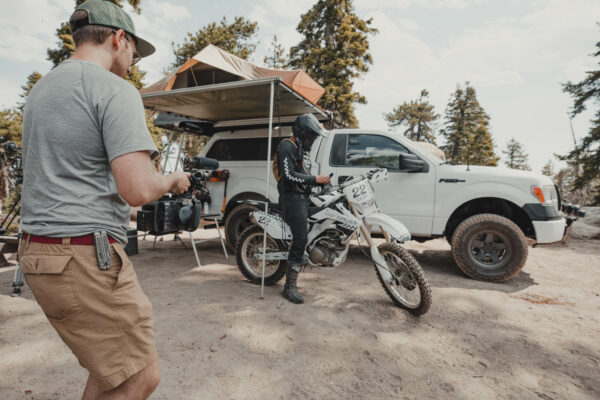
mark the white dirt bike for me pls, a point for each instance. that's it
(338, 214)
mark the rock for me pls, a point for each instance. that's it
(592, 216)
(588, 227)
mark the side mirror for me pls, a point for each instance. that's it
(411, 163)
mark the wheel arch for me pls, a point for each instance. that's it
(233, 202)
(490, 205)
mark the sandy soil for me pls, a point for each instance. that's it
(537, 336)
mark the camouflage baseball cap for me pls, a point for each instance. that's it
(106, 13)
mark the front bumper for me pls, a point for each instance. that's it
(549, 231)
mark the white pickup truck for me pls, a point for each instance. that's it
(486, 213)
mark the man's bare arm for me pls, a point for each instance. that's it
(139, 183)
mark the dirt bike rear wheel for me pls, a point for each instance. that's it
(409, 288)
(249, 243)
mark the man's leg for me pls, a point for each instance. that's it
(296, 216)
(138, 386)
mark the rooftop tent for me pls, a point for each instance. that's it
(213, 66)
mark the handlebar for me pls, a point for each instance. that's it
(330, 188)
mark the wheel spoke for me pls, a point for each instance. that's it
(489, 238)
(480, 255)
(402, 284)
(477, 244)
(494, 257)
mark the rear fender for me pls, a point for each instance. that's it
(273, 224)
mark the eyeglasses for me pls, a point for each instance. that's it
(136, 56)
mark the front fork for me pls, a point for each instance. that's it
(376, 256)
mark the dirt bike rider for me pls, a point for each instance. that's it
(294, 187)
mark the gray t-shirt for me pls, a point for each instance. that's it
(78, 118)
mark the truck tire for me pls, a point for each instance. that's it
(236, 222)
(489, 247)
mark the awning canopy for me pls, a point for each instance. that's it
(233, 101)
(213, 65)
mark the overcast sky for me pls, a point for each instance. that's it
(514, 52)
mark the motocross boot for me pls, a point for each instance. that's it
(305, 260)
(290, 290)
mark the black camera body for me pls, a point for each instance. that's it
(176, 213)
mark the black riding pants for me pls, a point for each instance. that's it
(295, 210)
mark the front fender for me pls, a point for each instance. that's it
(395, 228)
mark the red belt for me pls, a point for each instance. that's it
(80, 240)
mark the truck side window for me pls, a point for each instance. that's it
(374, 151)
(338, 150)
(254, 149)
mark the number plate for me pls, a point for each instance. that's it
(361, 195)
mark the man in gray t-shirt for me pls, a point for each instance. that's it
(86, 160)
(78, 119)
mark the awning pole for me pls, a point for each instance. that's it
(164, 167)
(262, 281)
(181, 140)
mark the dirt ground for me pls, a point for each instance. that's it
(535, 337)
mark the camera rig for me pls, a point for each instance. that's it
(176, 213)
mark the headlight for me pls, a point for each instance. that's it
(546, 195)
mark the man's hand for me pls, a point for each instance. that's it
(139, 183)
(323, 179)
(180, 182)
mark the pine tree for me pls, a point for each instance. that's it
(236, 38)
(481, 148)
(586, 155)
(334, 52)
(417, 116)
(548, 169)
(11, 124)
(11, 127)
(466, 130)
(32, 79)
(66, 46)
(275, 59)
(516, 157)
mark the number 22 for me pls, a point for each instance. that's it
(359, 191)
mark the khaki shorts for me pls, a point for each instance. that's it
(103, 316)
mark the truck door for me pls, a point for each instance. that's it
(406, 196)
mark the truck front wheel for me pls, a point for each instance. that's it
(489, 247)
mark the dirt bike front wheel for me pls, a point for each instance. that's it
(249, 247)
(408, 288)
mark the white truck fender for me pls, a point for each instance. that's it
(395, 228)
